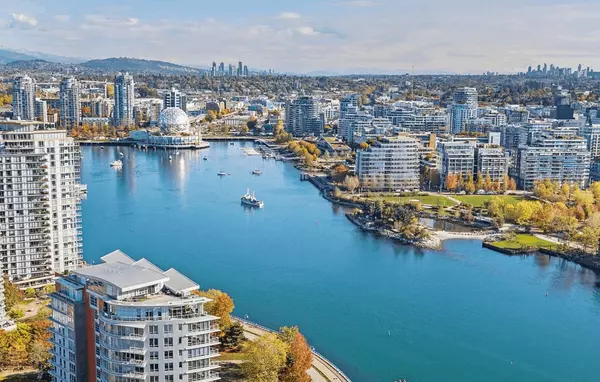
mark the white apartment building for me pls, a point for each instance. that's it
(565, 160)
(463, 108)
(70, 105)
(492, 161)
(592, 137)
(23, 98)
(40, 210)
(391, 163)
(145, 324)
(456, 157)
(175, 98)
(41, 111)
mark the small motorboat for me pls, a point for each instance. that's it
(232, 143)
(256, 172)
(121, 155)
(116, 163)
(102, 147)
(170, 157)
(221, 173)
(205, 158)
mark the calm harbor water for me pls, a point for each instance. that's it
(379, 310)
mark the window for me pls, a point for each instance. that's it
(169, 354)
(153, 367)
(153, 329)
(168, 329)
(154, 378)
(153, 355)
(153, 342)
(169, 342)
(93, 301)
(169, 378)
(169, 366)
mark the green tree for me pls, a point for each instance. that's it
(233, 336)
(299, 356)
(265, 358)
(16, 314)
(210, 116)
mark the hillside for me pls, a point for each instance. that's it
(136, 65)
(7, 56)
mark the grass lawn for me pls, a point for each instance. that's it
(479, 200)
(524, 240)
(433, 200)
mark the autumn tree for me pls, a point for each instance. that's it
(479, 184)
(220, 306)
(12, 294)
(265, 358)
(210, 116)
(451, 182)
(469, 186)
(299, 356)
(364, 146)
(351, 183)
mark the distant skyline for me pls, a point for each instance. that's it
(337, 36)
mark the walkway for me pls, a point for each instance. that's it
(322, 370)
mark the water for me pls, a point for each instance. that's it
(464, 314)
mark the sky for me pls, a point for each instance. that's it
(306, 36)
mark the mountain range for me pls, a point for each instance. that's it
(25, 60)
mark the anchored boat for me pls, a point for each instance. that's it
(250, 200)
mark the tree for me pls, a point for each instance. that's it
(451, 182)
(512, 185)
(265, 358)
(210, 116)
(469, 184)
(364, 146)
(30, 293)
(233, 337)
(487, 183)
(39, 354)
(479, 184)
(110, 90)
(15, 313)
(12, 294)
(252, 123)
(351, 183)
(220, 306)
(299, 356)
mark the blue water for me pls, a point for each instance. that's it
(379, 310)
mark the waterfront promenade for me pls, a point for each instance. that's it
(322, 369)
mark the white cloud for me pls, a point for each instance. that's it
(289, 16)
(20, 20)
(359, 3)
(306, 31)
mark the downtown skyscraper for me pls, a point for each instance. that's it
(124, 98)
(40, 205)
(70, 105)
(23, 98)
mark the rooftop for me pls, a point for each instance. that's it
(123, 276)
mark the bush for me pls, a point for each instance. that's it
(15, 313)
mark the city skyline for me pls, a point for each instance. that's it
(305, 38)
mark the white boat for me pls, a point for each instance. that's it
(221, 173)
(170, 157)
(256, 172)
(121, 155)
(116, 163)
(249, 199)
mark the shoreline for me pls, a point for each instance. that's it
(324, 368)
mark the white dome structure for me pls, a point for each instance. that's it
(173, 120)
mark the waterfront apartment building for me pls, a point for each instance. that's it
(565, 160)
(127, 320)
(463, 108)
(70, 105)
(391, 163)
(124, 98)
(492, 161)
(40, 207)
(457, 158)
(23, 98)
(175, 98)
(303, 117)
(591, 133)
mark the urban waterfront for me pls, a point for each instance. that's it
(379, 310)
